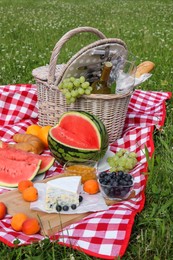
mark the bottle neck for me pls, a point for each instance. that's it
(106, 71)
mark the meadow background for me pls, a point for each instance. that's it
(29, 30)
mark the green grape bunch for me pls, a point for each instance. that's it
(73, 88)
(123, 160)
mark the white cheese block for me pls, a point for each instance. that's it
(63, 191)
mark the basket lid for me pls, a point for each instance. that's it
(42, 72)
(89, 63)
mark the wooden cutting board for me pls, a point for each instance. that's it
(51, 223)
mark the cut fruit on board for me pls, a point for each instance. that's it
(50, 223)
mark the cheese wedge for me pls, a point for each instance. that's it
(63, 192)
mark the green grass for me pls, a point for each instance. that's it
(29, 31)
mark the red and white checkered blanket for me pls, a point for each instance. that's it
(103, 234)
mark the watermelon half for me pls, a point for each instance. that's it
(79, 136)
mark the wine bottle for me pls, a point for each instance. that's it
(101, 86)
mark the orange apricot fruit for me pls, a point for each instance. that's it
(22, 185)
(3, 210)
(33, 129)
(43, 134)
(30, 226)
(30, 194)
(91, 186)
(17, 221)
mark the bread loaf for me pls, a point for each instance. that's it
(144, 67)
(28, 143)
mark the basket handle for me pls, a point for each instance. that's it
(61, 42)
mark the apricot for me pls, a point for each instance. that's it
(22, 185)
(30, 226)
(3, 210)
(43, 134)
(30, 194)
(33, 129)
(17, 221)
(91, 186)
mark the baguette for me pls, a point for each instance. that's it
(144, 67)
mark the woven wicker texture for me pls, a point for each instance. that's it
(111, 109)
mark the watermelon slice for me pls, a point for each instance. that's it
(12, 171)
(19, 155)
(46, 162)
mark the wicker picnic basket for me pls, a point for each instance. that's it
(111, 109)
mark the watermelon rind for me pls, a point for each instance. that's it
(46, 163)
(64, 153)
(12, 171)
(102, 130)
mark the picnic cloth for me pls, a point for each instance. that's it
(103, 234)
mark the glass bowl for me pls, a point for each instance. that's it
(115, 185)
(87, 170)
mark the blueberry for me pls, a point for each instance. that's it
(125, 183)
(101, 181)
(123, 193)
(122, 182)
(118, 178)
(115, 183)
(113, 174)
(58, 208)
(65, 208)
(120, 173)
(114, 177)
(117, 192)
(111, 193)
(130, 183)
(127, 189)
(80, 198)
(102, 174)
(104, 182)
(112, 182)
(128, 177)
(73, 206)
(107, 178)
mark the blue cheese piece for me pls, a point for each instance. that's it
(62, 191)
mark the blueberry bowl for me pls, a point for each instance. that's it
(115, 185)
